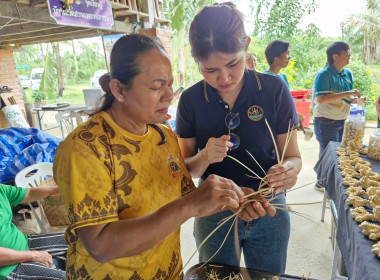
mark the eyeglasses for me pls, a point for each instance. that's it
(347, 53)
(232, 121)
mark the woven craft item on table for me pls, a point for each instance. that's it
(54, 206)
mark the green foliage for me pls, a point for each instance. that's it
(363, 80)
(49, 81)
(38, 95)
(89, 60)
(30, 56)
(279, 18)
(307, 57)
(181, 13)
(307, 51)
(371, 113)
(366, 81)
(367, 26)
(73, 94)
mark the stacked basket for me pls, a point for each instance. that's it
(54, 207)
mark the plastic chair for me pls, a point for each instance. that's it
(67, 120)
(31, 177)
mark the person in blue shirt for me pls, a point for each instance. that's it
(277, 54)
(333, 92)
(225, 114)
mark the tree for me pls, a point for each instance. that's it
(60, 69)
(90, 59)
(28, 57)
(279, 18)
(49, 83)
(181, 14)
(54, 78)
(75, 58)
(368, 24)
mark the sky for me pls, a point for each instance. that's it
(328, 15)
(331, 13)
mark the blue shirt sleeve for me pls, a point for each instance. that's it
(286, 111)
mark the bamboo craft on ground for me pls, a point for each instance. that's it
(262, 192)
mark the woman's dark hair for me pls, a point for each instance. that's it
(124, 63)
(218, 28)
(275, 49)
(124, 66)
(335, 48)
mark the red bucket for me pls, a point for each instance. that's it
(300, 93)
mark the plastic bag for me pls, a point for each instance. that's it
(21, 147)
(14, 116)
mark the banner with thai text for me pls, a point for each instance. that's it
(85, 13)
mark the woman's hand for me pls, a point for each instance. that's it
(282, 177)
(216, 149)
(354, 95)
(215, 194)
(254, 210)
(301, 118)
(42, 257)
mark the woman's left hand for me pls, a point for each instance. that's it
(282, 177)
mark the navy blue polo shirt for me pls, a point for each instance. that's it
(201, 114)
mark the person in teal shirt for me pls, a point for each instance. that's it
(27, 257)
(277, 54)
(333, 92)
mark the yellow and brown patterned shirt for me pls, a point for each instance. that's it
(106, 174)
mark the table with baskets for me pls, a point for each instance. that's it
(355, 247)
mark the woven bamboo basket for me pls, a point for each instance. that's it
(54, 206)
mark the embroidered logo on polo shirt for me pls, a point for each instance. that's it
(255, 113)
(173, 166)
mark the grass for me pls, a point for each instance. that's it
(72, 94)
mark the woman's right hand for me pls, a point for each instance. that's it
(216, 149)
(354, 94)
(213, 195)
(256, 209)
(42, 257)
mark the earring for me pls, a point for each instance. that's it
(121, 99)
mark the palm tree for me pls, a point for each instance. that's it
(368, 24)
(53, 79)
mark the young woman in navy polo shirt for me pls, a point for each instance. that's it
(224, 114)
